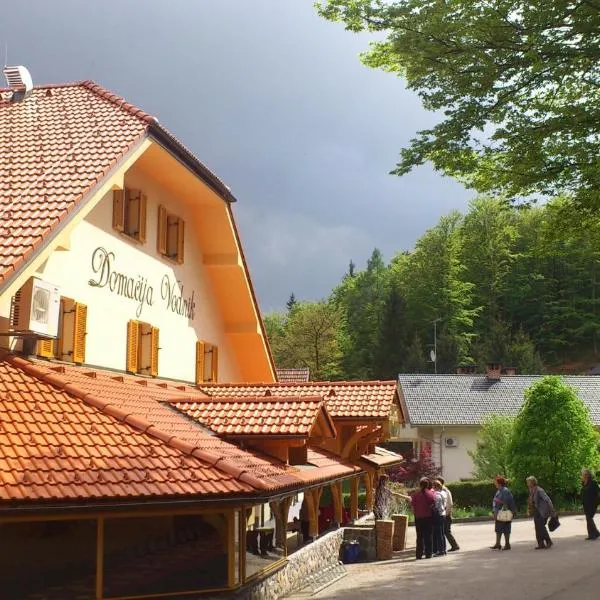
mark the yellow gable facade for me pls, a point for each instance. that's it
(152, 280)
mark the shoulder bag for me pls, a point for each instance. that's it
(504, 515)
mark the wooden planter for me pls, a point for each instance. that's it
(400, 525)
(384, 531)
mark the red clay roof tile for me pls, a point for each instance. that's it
(55, 149)
(63, 454)
(345, 399)
(235, 417)
(125, 439)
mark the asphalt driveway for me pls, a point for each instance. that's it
(569, 570)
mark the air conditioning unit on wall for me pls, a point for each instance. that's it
(451, 442)
(36, 308)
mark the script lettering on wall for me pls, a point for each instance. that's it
(138, 288)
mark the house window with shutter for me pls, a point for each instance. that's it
(69, 346)
(207, 363)
(129, 213)
(142, 348)
(171, 235)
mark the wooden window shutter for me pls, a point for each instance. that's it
(119, 210)
(133, 344)
(46, 348)
(143, 206)
(180, 239)
(214, 371)
(79, 332)
(199, 363)
(154, 351)
(162, 230)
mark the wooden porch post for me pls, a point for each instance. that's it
(276, 512)
(285, 512)
(100, 558)
(354, 498)
(243, 528)
(280, 510)
(369, 479)
(313, 498)
(336, 493)
(230, 549)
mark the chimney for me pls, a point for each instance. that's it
(509, 371)
(465, 369)
(493, 371)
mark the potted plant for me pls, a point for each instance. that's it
(384, 525)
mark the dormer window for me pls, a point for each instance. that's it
(171, 235)
(129, 213)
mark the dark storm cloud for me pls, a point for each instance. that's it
(273, 99)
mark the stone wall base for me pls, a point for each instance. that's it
(300, 567)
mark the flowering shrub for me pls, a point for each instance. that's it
(412, 468)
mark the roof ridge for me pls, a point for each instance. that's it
(246, 399)
(209, 385)
(139, 423)
(119, 101)
(49, 86)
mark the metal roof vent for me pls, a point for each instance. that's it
(19, 81)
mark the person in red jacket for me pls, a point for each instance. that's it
(423, 503)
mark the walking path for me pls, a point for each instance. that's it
(571, 569)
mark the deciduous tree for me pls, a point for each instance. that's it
(516, 83)
(491, 456)
(553, 438)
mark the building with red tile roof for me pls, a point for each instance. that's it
(141, 454)
(285, 416)
(300, 375)
(345, 399)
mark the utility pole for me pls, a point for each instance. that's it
(435, 322)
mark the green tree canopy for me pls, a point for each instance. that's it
(517, 83)
(491, 456)
(553, 437)
(306, 337)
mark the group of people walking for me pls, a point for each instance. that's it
(504, 509)
(432, 507)
(541, 508)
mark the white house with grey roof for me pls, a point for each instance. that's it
(446, 411)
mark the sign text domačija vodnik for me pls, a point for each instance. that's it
(137, 287)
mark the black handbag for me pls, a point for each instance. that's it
(553, 523)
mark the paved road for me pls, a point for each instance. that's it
(568, 571)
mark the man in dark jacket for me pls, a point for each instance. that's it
(590, 498)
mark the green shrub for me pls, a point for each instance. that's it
(467, 494)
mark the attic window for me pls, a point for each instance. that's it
(129, 213)
(171, 235)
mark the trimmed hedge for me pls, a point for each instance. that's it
(468, 494)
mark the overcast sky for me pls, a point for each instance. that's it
(276, 102)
